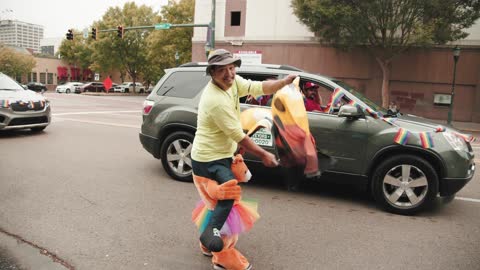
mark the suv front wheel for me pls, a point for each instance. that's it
(175, 155)
(405, 184)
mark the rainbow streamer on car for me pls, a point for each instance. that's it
(426, 139)
(403, 136)
(4, 103)
(334, 99)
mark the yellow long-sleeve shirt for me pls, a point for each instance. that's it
(218, 123)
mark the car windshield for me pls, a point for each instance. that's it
(8, 84)
(361, 97)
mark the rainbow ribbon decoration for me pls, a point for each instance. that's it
(373, 113)
(4, 103)
(465, 137)
(391, 121)
(402, 136)
(426, 139)
(354, 103)
(334, 99)
(440, 129)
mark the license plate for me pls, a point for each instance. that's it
(263, 137)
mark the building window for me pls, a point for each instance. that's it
(43, 77)
(235, 18)
(34, 77)
(50, 78)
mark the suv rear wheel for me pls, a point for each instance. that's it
(175, 155)
(405, 184)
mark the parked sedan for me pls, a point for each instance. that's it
(68, 87)
(92, 87)
(20, 108)
(36, 86)
(405, 161)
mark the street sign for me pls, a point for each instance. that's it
(85, 33)
(249, 57)
(162, 26)
(97, 76)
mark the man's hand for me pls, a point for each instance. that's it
(269, 160)
(226, 191)
(289, 79)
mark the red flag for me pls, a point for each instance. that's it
(107, 83)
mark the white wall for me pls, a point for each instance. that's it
(272, 21)
(266, 20)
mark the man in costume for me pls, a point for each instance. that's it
(218, 135)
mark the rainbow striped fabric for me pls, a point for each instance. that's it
(373, 113)
(241, 217)
(426, 139)
(467, 138)
(391, 121)
(440, 129)
(354, 103)
(4, 103)
(335, 99)
(402, 136)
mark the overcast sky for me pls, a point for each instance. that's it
(57, 16)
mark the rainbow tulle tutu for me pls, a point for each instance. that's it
(241, 217)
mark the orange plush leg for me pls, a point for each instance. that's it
(230, 258)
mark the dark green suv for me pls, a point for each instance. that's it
(406, 161)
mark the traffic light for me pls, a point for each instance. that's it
(94, 33)
(120, 31)
(70, 34)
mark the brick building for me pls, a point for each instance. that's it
(418, 77)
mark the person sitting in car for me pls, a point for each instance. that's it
(312, 99)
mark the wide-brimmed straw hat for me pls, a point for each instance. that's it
(222, 57)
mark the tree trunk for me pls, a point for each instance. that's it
(385, 66)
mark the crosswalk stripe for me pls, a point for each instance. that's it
(467, 199)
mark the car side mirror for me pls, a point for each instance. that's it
(349, 111)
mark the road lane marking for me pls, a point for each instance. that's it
(99, 112)
(100, 123)
(467, 199)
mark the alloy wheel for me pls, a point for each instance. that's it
(405, 186)
(178, 157)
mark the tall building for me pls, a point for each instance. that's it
(21, 34)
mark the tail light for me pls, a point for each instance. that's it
(147, 106)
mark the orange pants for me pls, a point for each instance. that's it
(230, 258)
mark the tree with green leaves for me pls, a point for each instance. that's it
(15, 64)
(77, 52)
(387, 28)
(165, 44)
(127, 54)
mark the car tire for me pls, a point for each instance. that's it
(405, 184)
(67, 91)
(37, 129)
(175, 155)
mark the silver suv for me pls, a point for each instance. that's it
(21, 108)
(404, 174)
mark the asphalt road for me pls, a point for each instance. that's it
(86, 191)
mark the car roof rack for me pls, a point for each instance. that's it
(269, 66)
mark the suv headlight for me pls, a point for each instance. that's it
(455, 141)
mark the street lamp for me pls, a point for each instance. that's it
(177, 57)
(456, 56)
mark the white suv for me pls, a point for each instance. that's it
(127, 87)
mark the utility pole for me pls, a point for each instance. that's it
(212, 25)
